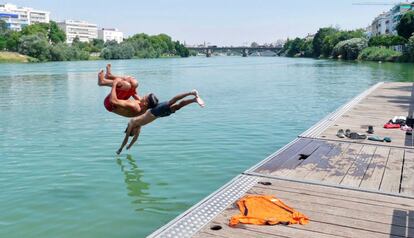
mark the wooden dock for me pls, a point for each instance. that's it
(348, 188)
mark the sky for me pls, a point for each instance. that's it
(218, 22)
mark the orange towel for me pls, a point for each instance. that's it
(266, 210)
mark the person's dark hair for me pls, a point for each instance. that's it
(152, 100)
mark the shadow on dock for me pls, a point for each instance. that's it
(402, 223)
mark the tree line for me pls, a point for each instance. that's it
(47, 42)
(329, 42)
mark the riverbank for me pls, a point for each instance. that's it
(13, 57)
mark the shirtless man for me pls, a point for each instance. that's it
(163, 109)
(122, 89)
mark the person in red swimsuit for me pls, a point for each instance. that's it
(123, 88)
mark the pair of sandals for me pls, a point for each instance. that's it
(352, 135)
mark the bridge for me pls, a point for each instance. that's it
(243, 49)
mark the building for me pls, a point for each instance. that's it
(386, 23)
(18, 17)
(85, 31)
(397, 12)
(382, 24)
(110, 34)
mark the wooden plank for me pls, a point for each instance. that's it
(352, 206)
(325, 166)
(315, 164)
(392, 175)
(370, 226)
(279, 159)
(318, 224)
(382, 199)
(262, 231)
(385, 220)
(229, 232)
(342, 165)
(373, 176)
(357, 170)
(342, 194)
(208, 235)
(310, 162)
(292, 162)
(407, 182)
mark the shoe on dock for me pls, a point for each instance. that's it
(370, 130)
(340, 133)
(357, 136)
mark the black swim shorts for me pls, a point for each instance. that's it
(162, 110)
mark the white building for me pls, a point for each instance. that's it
(382, 24)
(85, 31)
(109, 34)
(386, 23)
(18, 17)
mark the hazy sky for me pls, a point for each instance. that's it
(220, 22)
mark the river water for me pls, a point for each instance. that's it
(60, 177)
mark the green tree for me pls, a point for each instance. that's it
(55, 34)
(3, 42)
(146, 46)
(307, 48)
(3, 27)
(405, 27)
(124, 50)
(410, 49)
(349, 49)
(181, 49)
(386, 40)
(295, 47)
(97, 45)
(12, 40)
(33, 29)
(318, 39)
(35, 45)
(332, 39)
(60, 52)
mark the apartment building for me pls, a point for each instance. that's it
(85, 31)
(110, 34)
(18, 17)
(386, 23)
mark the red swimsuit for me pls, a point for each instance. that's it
(121, 94)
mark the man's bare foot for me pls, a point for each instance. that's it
(198, 98)
(101, 74)
(108, 71)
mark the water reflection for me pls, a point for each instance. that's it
(139, 190)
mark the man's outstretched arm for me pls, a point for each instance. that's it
(125, 141)
(135, 138)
